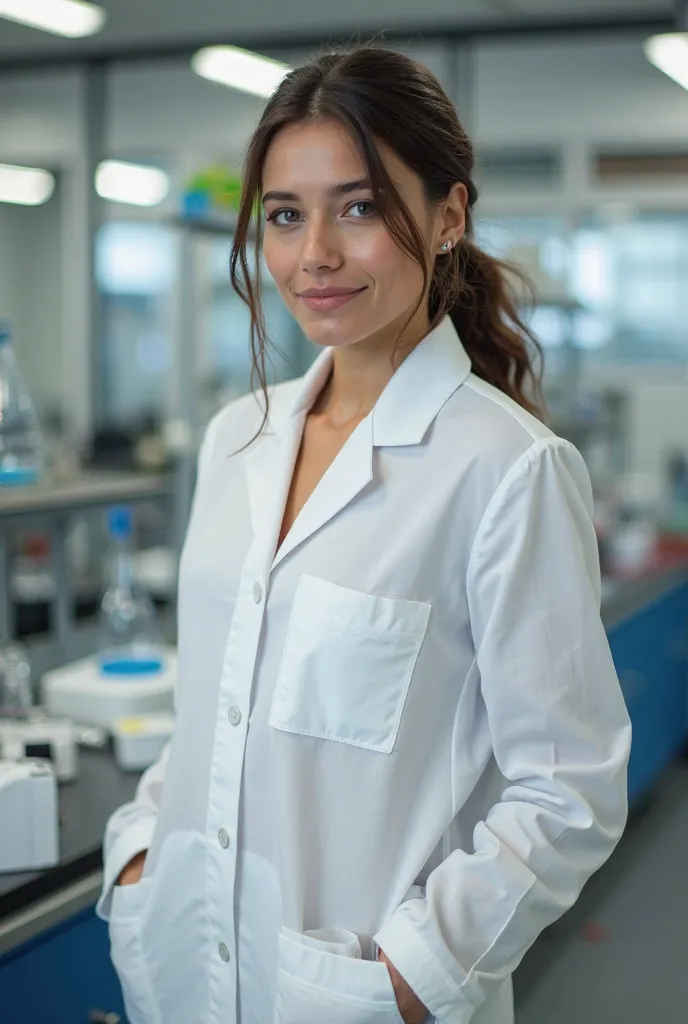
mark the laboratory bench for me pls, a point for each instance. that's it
(48, 929)
(54, 954)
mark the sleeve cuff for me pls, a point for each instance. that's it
(135, 840)
(447, 1002)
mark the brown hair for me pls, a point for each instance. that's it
(377, 94)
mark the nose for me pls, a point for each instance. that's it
(320, 250)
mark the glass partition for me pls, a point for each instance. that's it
(148, 289)
(31, 297)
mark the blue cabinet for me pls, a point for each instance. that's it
(61, 976)
(650, 652)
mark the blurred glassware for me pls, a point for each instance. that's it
(16, 695)
(21, 442)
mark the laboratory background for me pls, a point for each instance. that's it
(122, 128)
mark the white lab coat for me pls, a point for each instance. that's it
(402, 730)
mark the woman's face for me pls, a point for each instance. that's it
(339, 271)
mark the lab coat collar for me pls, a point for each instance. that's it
(401, 416)
(411, 400)
(423, 383)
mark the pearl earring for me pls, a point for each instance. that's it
(446, 246)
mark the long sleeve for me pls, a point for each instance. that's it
(129, 830)
(560, 734)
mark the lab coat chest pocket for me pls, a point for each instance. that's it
(347, 664)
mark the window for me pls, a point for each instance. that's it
(622, 283)
(225, 357)
(136, 270)
(139, 271)
(632, 276)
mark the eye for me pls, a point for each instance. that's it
(361, 209)
(283, 218)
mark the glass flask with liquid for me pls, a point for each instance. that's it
(131, 643)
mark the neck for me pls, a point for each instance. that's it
(361, 372)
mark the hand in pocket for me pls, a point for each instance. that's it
(133, 872)
(410, 1007)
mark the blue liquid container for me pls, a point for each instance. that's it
(21, 442)
(131, 646)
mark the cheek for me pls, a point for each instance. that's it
(373, 250)
(279, 260)
(393, 271)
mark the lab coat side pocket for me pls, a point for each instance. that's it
(126, 951)
(322, 978)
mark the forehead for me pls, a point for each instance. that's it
(314, 156)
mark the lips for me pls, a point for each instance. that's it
(323, 300)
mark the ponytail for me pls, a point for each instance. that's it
(478, 292)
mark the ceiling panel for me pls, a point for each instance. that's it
(146, 22)
(141, 21)
(598, 90)
(592, 8)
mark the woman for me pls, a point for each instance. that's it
(400, 747)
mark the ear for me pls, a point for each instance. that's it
(453, 215)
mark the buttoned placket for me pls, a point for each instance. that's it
(227, 767)
(269, 474)
(269, 470)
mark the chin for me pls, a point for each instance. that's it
(332, 332)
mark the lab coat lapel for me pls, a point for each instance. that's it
(345, 478)
(269, 469)
(270, 462)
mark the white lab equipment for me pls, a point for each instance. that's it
(21, 442)
(130, 639)
(41, 736)
(16, 697)
(633, 541)
(83, 693)
(155, 571)
(29, 839)
(139, 740)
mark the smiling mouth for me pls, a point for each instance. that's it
(322, 300)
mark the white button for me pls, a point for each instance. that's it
(234, 715)
(223, 838)
(224, 952)
(257, 593)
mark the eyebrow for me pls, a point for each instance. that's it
(343, 188)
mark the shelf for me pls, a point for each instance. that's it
(87, 491)
(53, 503)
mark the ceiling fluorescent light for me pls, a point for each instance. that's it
(28, 186)
(71, 18)
(669, 53)
(239, 69)
(131, 183)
